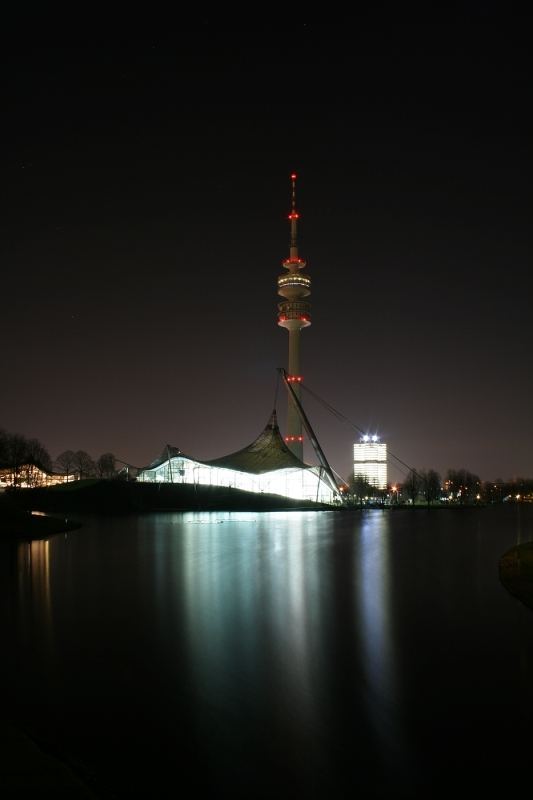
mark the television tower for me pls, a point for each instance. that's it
(294, 314)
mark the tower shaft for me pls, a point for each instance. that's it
(294, 314)
(294, 436)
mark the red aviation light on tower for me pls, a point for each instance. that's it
(293, 214)
(293, 218)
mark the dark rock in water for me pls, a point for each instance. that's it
(516, 572)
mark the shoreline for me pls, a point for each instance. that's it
(38, 513)
(26, 526)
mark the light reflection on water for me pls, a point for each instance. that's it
(374, 620)
(279, 642)
(374, 604)
(251, 607)
(256, 607)
(34, 590)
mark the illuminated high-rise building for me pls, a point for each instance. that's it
(294, 313)
(370, 461)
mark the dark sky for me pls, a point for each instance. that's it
(145, 220)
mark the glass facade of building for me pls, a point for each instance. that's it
(299, 484)
(370, 461)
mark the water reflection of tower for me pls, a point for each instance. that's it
(294, 314)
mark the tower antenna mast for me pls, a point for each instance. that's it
(294, 313)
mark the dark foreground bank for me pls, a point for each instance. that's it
(115, 496)
(22, 524)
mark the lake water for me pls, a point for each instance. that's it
(316, 654)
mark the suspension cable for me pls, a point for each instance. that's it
(344, 418)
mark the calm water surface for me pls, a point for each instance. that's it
(275, 654)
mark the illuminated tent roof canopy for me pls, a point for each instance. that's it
(266, 453)
(168, 452)
(264, 466)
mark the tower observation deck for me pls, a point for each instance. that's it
(294, 313)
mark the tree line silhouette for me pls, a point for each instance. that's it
(460, 486)
(26, 458)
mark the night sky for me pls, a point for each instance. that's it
(146, 188)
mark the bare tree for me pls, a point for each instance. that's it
(65, 461)
(30, 475)
(105, 466)
(411, 486)
(24, 457)
(359, 488)
(463, 485)
(430, 485)
(83, 464)
(38, 455)
(17, 455)
(4, 448)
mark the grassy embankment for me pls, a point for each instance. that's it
(116, 496)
